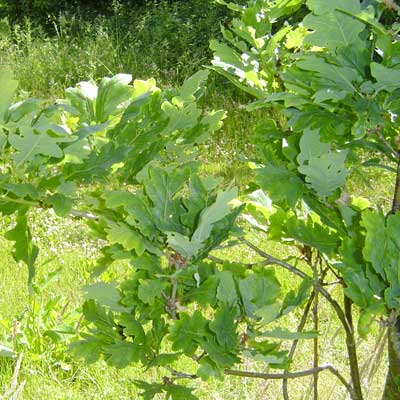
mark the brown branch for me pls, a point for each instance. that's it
(317, 285)
(293, 375)
(352, 349)
(296, 341)
(180, 375)
(273, 260)
(260, 375)
(316, 345)
(221, 261)
(396, 195)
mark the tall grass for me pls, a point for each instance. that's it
(168, 41)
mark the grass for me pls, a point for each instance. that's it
(166, 41)
(50, 373)
(169, 43)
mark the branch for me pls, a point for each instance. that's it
(180, 375)
(301, 274)
(385, 142)
(248, 265)
(352, 349)
(83, 214)
(296, 341)
(260, 375)
(73, 213)
(273, 260)
(19, 201)
(293, 375)
(396, 195)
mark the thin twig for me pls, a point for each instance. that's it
(180, 375)
(301, 274)
(396, 195)
(378, 360)
(295, 342)
(83, 214)
(273, 260)
(315, 341)
(221, 261)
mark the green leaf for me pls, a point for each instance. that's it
(259, 289)
(125, 236)
(281, 184)
(273, 360)
(37, 140)
(176, 392)
(331, 28)
(194, 86)
(214, 213)
(132, 328)
(384, 259)
(221, 357)
(224, 326)
(112, 92)
(359, 286)
(161, 187)
(164, 359)
(120, 355)
(89, 349)
(137, 207)
(295, 298)
(183, 245)
(227, 292)
(208, 369)
(98, 315)
(333, 81)
(268, 313)
(186, 333)
(105, 294)
(8, 88)
(311, 146)
(326, 173)
(24, 249)
(387, 79)
(312, 234)
(150, 290)
(61, 204)
(149, 390)
(206, 294)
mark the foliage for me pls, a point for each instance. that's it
(134, 147)
(127, 156)
(334, 80)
